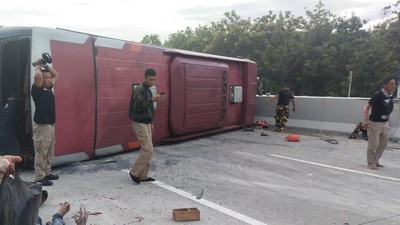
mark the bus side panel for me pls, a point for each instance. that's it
(234, 111)
(249, 92)
(120, 65)
(75, 99)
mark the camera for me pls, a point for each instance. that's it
(46, 58)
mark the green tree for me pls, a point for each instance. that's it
(279, 48)
(314, 53)
(152, 39)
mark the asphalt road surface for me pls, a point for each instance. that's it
(234, 178)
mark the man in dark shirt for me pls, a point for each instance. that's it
(141, 111)
(8, 120)
(44, 120)
(282, 108)
(377, 122)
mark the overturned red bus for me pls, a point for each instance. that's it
(205, 93)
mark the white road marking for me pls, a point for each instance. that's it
(212, 205)
(337, 168)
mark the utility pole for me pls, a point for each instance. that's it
(350, 81)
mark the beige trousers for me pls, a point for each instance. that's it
(378, 137)
(140, 167)
(44, 141)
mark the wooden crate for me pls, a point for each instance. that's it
(186, 214)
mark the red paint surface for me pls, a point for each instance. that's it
(75, 97)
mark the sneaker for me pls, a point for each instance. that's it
(135, 179)
(44, 182)
(52, 177)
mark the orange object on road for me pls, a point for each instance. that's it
(293, 137)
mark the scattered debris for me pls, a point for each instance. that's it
(261, 123)
(139, 219)
(186, 214)
(248, 128)
(293, 137)
(200, 195)
(332, 141)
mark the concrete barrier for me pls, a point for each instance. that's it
(325, 113)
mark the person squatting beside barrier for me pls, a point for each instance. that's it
(359, 128)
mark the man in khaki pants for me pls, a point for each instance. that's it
(141, 111)
(44, 120)
(377, 122)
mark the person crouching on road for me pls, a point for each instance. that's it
(141, 111)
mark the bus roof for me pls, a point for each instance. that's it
(7, 32)
(204, 55)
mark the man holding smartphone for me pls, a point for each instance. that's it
(141, 111)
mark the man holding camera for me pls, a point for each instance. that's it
(44, 120)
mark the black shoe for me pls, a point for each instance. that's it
(44, 182)
(148, 179)
(52, 177)
(44, 197)
(135, 179)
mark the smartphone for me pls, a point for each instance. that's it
(162, 93)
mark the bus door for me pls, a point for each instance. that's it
(199, 95)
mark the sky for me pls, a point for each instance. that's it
(133, 19)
